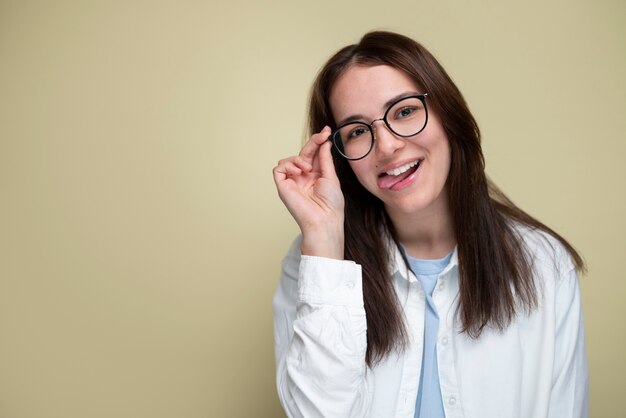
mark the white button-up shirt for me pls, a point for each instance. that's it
(534, 368)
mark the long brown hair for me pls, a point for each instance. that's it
(495, 272)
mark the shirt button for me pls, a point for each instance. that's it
(350, 285)
(440, 287)
(452, 401)
(444, 341)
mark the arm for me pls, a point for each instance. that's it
(569, 397)
(320, 337)
(319, 318)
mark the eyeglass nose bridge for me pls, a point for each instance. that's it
(373, 128)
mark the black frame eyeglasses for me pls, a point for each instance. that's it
(355, 140)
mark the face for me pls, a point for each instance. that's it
(407, 174)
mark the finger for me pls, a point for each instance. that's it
(327, 165)
(301, 163)
(312, 146)
(298, 161)
(286, 169)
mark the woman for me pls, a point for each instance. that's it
(416, 287)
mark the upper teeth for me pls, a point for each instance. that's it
(400, 170)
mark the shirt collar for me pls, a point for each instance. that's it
(399, 266)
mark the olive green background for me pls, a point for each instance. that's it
(140, 231)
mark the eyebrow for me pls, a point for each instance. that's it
(386, 105)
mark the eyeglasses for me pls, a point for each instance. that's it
(405, 117)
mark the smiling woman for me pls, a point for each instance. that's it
(416, 288)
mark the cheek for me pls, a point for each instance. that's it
(441, 147)
(446, 163)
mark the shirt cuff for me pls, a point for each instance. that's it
(326, 281)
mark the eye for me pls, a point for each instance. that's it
(357, 132)
(405, 112)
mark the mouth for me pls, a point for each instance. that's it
(398, 177)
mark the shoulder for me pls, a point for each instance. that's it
(545, 252)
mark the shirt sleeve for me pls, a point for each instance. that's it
(320, 337)
(569, 397)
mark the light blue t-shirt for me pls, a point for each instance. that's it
(429, 402)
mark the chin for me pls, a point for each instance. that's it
(416, 203)
(409, 205)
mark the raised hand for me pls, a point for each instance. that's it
(308, 186)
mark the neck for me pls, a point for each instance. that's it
(428, 234)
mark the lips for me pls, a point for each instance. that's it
(396, 177)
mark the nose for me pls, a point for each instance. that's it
(385, 141)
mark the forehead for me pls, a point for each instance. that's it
(365, 90)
